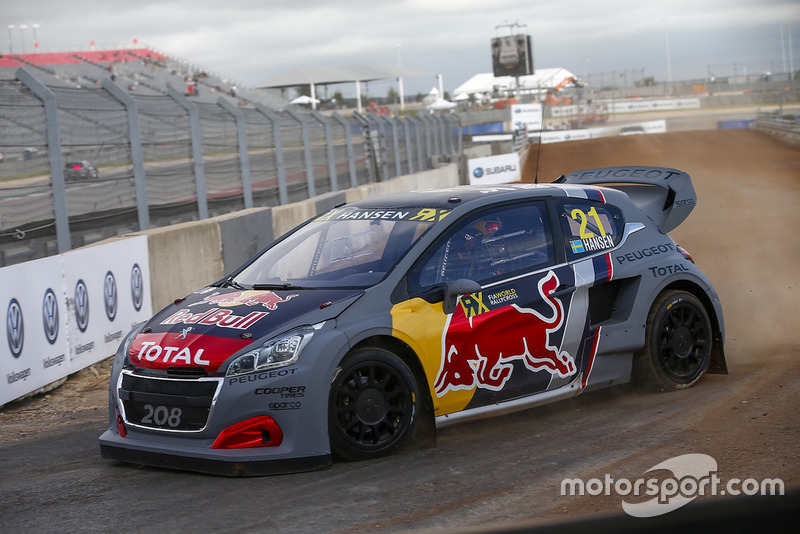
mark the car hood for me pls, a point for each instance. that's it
(208, 326)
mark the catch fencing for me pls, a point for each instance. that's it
(78, 165)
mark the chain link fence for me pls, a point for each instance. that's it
(81, 165)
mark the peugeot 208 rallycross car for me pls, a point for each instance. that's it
(377, 319)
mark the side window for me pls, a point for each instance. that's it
(589, 227)
(490, 245)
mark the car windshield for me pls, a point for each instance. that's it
(344, 247)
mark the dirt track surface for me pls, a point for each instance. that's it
(506, 470)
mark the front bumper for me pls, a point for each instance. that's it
(216, 462)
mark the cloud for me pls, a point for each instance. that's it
(250, 40)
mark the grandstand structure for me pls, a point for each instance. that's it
(171, 142)
(139, 70)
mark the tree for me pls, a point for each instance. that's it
(392, 95)
(303, 90)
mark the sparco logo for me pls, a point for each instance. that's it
(110, 295)
(478, 172)
(81, 305)
(15, 328)
(137, 287)
(50, 316)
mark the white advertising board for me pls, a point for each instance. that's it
(558, 136)
(108, 292)
(36, 350)
(526, 116)
(501, 169)
(69, 311)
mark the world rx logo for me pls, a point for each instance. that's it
(50, 316)
(110, 295)
(81, 305)
(137, 286)
(15, 328)
(478, 172)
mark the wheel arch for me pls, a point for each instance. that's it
(717, 361)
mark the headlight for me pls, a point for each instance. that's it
(277, 352)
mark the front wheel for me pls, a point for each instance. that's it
(373, 405)
(677, 342)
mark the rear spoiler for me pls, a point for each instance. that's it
(663, 194)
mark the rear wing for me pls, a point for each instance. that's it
(663, 194)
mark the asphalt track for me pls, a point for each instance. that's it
(507, 470)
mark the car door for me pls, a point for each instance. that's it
(506, 340)
(590, 229)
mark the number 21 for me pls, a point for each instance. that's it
(580, 214)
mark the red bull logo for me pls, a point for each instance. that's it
(478, 344)
(267, 299)
(216, 317)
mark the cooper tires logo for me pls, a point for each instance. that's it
(81, 305)
(137, 286)
(478, 172)
(110, 295)
(50, 316)
(15, 328)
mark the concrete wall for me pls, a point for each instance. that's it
(185, 257)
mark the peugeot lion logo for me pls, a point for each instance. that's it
(15, 329)
(110, 295)
(50, 316)
(81, 305)
(137, 289)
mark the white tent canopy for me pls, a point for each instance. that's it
(441, 104)
(541, 80)
(303, 99)
(332, 74)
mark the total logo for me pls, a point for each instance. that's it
(110, 295)
(15, 328)
(151, 351)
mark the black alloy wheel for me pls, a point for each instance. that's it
(372, 407)
(678, 341)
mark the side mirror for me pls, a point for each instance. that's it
(455, 289)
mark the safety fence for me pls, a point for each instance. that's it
(784, 123)
(80, 165)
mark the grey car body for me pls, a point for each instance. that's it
(372, 324)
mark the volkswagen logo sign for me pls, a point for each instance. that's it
(110, 295)
(15, 328)
(81, 305)
(137, 287)
(478, 172)
(50, 316)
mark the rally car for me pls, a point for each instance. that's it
(372, 324)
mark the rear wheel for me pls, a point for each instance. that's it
(373, 405)
(677, 342)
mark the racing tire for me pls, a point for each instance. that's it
(373, 405)
(678, 342)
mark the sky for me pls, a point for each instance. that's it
(249, 41)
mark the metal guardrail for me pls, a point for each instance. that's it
(82, 165)
(782, 122)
